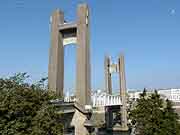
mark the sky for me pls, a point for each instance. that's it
(147, 32)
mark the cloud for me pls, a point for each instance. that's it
(173, 11)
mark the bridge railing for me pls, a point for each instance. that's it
(99, 100)
(69, 99)
(106, 100)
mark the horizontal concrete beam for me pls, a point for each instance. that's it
(66, 26)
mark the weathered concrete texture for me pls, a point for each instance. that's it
(108, 81)
(98, 119)
(56, 55)
(109, 117)
(60, 30)
(78, 122)
(122, 83)
(123, 92)
(83, 59)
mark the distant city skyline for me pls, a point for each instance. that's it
(147, 32)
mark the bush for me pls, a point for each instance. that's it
(25, 108)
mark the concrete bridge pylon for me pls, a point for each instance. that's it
(64, 33)
(119, 68)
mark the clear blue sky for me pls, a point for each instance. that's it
(146, 31)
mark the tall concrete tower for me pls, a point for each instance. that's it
(64, 33)
(108, 82)
(56, 55)
(83, 92)
(119, 68)
(123, 92)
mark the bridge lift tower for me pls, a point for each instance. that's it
(65, 33)
(119, 68)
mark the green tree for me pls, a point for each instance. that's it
(24, 108)
(153, 116)
(170, 125)
(141, 113)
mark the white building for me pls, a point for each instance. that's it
(170, 94)
(134, 95)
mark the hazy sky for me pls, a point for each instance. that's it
(146, 31)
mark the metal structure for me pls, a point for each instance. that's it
(106, 100)
(99, 100)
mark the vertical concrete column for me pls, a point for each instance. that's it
(108, 117)
(83, 92)
(108, 85)
(78, 121)
(108, 81)
(123, 92)
(56, 55)
(104, 100)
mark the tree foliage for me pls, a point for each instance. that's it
(25, 108)
(154, 116)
